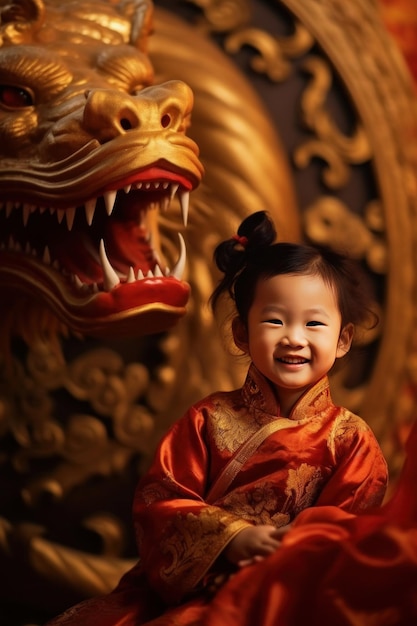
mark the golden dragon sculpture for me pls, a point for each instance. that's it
(90, 149)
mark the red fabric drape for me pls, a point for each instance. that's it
(400, 18)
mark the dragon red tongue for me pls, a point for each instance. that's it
(111, 279)
(127, 246)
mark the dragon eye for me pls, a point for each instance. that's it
(15, 97)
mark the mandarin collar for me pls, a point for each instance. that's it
(259, 394)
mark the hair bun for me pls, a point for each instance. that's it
(258, 230)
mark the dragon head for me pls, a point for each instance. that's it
(93, 155)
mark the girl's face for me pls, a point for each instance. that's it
(293, 333)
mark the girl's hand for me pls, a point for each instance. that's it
(254, 543)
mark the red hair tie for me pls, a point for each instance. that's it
(242, 240)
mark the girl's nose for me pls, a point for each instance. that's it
(293, 338)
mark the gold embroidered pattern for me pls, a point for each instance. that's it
(235, 464)
(303, 485)
(190, 541)
(314, 402)
(237, 416)
(263, 505)
(231, 426)
(345, 426)
(258, 506)
(156, 491)
(257, 393)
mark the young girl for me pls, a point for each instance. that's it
(231, 475)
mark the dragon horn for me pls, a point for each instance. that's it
(142, 22)
(19, 19)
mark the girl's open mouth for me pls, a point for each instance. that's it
(288, 360)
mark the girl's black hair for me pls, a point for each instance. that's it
(252, 255)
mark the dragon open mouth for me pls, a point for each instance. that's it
(103, 257)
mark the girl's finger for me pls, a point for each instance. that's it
(251, 561)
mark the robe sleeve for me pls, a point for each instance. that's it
(360, 479)
(180, 536)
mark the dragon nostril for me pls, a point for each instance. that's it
(125, 124)
(165, 120)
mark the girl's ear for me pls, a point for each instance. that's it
(240, 335)
(345, 340)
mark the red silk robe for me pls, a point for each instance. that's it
(321, 455)
(334, 568)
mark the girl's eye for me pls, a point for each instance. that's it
(274, 321)
(314, 323)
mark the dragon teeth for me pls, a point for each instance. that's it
(26, 213)
(90, 207)
(179, 268)
(78, 283)
(184, 203)
(173, 191)
(67, 216)
(164, 204)
(46, 256)
(110, 278)
(70, 215)
(131, 275)
(109, 200)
